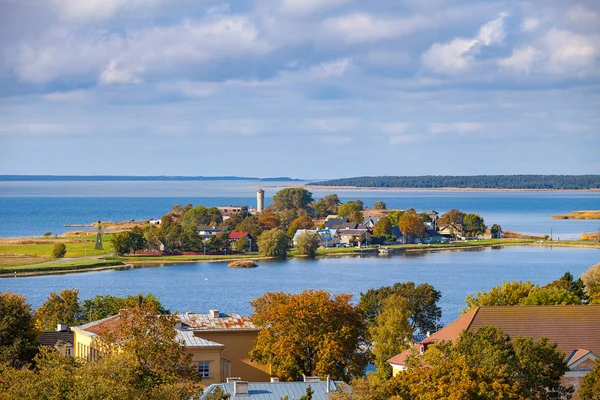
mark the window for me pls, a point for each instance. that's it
(204, 369)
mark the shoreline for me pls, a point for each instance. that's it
(448, 189)
(367, 251)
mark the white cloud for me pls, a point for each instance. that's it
(362, 27)
(405, 139)
(97, 9)
(74, 95)
(583, 16)
(568, 52)
(530, 24)
(114, 74)
(458, 127)
(394, 128)
(332, 68)
(459, 54)
(303, 7)
(522, 59)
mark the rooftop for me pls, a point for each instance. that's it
(225, 321)
(277, 390)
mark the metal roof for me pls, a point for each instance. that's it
(187, 336)
(277, 390)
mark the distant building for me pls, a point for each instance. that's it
(351, 236)
(227, 211)
(220, 344)
(260, 201)
(328, 237)
(206, 231)
(575, 330)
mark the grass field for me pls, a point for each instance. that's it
(41, 247)
(87, 263)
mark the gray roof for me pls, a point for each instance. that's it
(55, 338)
(334, 222)
(187, 336)
(277, 390)
(356, 232)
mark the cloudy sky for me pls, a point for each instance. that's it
(302, 88)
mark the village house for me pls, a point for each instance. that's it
(227, 211)
(455, 231)
(575, 329)
(61, 339)
(351, 236)
(206, 231)
(220, 344)
(233, 236)
(328, 237)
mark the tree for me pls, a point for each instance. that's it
(473, 224)
(392, 333)
(269, 222)
(453, 216)
(590, 387)
(233, 220)
(550, 296)
(411, 225)
(59, 250)
(395, 217)
(100, 307)
(241, 244)
(128, 241)
(383, 227)
(303, 222)
(250, 224)
(380, 205)
(591, 279)
(352, 211)
(309, 333)
(273, 243)
(421, 302)
(307, 244)
(152, 237)
(510, 294)
(292, 199)
(150, 340)
(496, 231)
(17, 331)
(59, 308)
(201, 215)
(308, 395)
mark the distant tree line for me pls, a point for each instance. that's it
(570, 182)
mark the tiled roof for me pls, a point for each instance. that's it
(570, 327)
(226, 321)
(187, 336)
(52, 338)
(277, 390)
(237, 235)
(95, 327)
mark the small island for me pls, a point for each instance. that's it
(243, 264)
(582, 214)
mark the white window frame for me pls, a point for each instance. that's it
(204, 369)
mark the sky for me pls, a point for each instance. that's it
(299, 88)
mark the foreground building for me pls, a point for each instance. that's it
(274, 390)
(220, 344)
(575, 330)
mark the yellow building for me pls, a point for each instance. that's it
(220, 344)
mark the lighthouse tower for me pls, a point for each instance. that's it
(260, 201)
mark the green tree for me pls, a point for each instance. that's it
(395, 217)
(473, 224)
(152, 237)
(590, 387)
(591, 279)
(100, 307)
(308, 395)
(250, 225)
(63, 307)
(421, 302)
(273, 243)
(392, 333)
(233, 220)
(496, 231)
(128, 241)
(241, 244)
(453, 216)
(383, 227)
(292, 199)
(352, 211)
(201, 215)
(310, 333)
(411, 225)
(302, 222)
(17, 331)
(380, 205)
(550, 296)
(59, 250)
(509, 294)
(307, 244)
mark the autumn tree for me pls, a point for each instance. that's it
(391, 333)
(302, 222)
(307, 244)
(17, 330)
(420, 301)
(292, 199)
(509, 294)
(250, 224)
(327, 205)
(496, 231)
(473, 224)
(379, 205)
(310, 333)
(352, 211)
(411, 225)
(591, 279)
(149, 339)
(59, 250)
(590, 387)
(267, 222)
(233, 220)
(273, 243)
(453, 216)
(201, 215)
(60, 307)
(383, 227)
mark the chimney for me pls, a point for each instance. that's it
(274, 379)
(428, 334)
(328, 383)
(62, 327)
(214, 314)
(240, 388)
(232, 379)
(311, 378)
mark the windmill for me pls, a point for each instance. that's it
(98, 245)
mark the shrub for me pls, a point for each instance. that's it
(59, 250)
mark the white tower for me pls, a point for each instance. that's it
(260, 201)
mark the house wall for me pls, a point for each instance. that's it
(213, 356)
(83, 346)
(237, 351)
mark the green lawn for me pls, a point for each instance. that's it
(62, 266)
(41, 247)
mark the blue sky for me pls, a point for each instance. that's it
(302, 88)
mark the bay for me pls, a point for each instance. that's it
(198, 287)
(33, 208)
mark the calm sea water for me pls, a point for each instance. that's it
(33, 208)
(199, 287)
